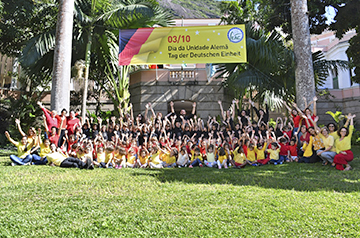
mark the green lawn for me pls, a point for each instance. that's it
(290, 200)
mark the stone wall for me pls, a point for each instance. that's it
(160, 93)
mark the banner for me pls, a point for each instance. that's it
(182, 45)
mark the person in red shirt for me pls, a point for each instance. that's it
(71, 123)
(284, 153)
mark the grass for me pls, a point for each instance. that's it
(290, 200)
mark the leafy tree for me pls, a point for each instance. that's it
(348, 18)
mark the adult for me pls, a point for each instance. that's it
(343, 146)
(71, 123)
(328, 153)
(182, 114)
(23, 156)
(50, 117)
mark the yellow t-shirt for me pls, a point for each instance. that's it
(143, 160)
(155, 158)
(260, 154)
(131, 159)
(274, 154)
(210, 157)
(101, 157)
(344, 144)
(328, 141)
(194, 157)
(251, 155)
(21, 149)
(168, 159)
(108, 157)
(57, 158)
(221, 158)
(335, 135)
(238, 158)
(44, 150)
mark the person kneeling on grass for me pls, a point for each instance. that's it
(343, 146)
(23, 156)
(57, 158)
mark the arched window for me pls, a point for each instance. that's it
(182, 104)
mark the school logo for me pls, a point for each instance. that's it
(235, 35)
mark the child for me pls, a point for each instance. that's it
(260, 153)
(100, 156)
(169, 158)
(239, 158)
(131, 158)
(250, 155)
(221, 158)
(109, 157)
(274, 153)
(196, 159)
(155, 161)
(183, 157)
(143, 157)
(284, 153)
(119, 157)
(293, 148)
(210, 157)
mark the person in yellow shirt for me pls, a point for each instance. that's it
(343, 146)
(239, 156)
(131, 158)
(260, 154)
(155, 161)
(23, 156)
(328, 153)
(222, 158)
(100, 156)
(250, 155)
(196, 158)
(210, 156)
(169, 158)
(44, 150)
(143, 157)
(274, 153)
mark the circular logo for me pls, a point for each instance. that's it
(235, 35)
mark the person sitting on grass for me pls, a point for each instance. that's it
(260, 153)
(210, 156)
(239, 160)
(343, 146)
(196, 158)
(183, 157)
(44, 150)
(23, 156)
(155, 161)
(168, 157)
(143, 157)
(222, 158)
(274, 154)
(58, 158)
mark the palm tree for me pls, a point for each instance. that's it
(100, 20)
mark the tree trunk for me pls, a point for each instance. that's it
(60, 91)
(86, 76)
(304, 73)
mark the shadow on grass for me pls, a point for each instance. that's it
(292, 176)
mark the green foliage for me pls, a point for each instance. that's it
(289, 200)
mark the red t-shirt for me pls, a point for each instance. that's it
(283, 149)
(54, 139)
(293, 150)
(70, 125)
(296, 120)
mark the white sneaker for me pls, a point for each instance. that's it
(13, 164)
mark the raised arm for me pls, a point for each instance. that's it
(222, 110)
(17, 122)
(10, 139)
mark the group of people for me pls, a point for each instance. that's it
(181, 140)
